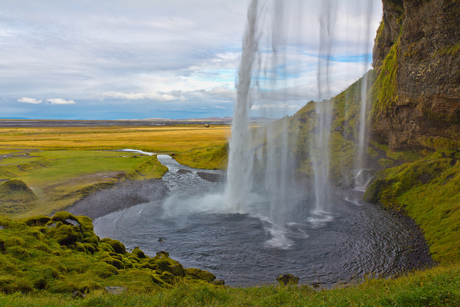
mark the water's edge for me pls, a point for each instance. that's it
(136, 207)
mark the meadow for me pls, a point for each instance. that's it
(158, 139)
(61, 165)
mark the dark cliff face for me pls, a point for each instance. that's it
(417, 56)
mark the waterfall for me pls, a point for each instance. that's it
(320, 151)
(262, 158)
(240, 166)
(362, 177)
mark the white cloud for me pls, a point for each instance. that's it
(221, 91)
(175, 95)
(60, 101)
(30, 100)
(144, 53)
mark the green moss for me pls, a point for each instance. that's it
(62, 254)
(10, 171)
(384, 90)
(162, 263)
(448, 50)
(439, 143)
(16, 191)
(204, 158)
(385, 163)
(114, 262)
(63, 215)
(116, 245)
(151, 168)
(200, 274)
(372, 152)
(65, 234)
(429, 191)
(39, 220)
(139, 253)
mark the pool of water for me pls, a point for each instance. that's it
(353, 240)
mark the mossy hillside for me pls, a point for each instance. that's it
(384, 90)
(62, 254)
(429, 191)
(150, 169)
(15, 196)
(299, 130)
(346, 108)
(15, 190)
(59, 178)
(204, 158)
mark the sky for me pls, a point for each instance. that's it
(177, 59)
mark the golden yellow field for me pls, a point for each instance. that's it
(61, 165)
(162, 139)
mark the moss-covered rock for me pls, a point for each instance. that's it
(14, 191)
(65, 234)
(287, 279)
(39, 220)
(200, 274)
(162, 263)
(139, 253)
(117, 246)
(114, 262)
(62, 254)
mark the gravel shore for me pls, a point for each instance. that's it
(121, 196)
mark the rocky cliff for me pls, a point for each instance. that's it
(416, 99)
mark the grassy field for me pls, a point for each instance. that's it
(161, 139)
(63, 164)
(435, 287)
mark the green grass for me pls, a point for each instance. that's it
(68, 164)
(435, 287)
(59, 178)
(205, 158)
(428, 190)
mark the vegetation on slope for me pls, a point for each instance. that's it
(204, 158)
(62, 254)
(415, 109)
(59, 178)
(429, 191)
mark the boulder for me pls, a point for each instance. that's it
(288, 279)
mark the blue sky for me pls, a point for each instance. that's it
(114, 59)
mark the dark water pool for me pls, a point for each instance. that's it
(353, 240)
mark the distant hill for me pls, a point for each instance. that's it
(208, 119)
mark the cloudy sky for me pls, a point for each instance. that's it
(120, 59)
